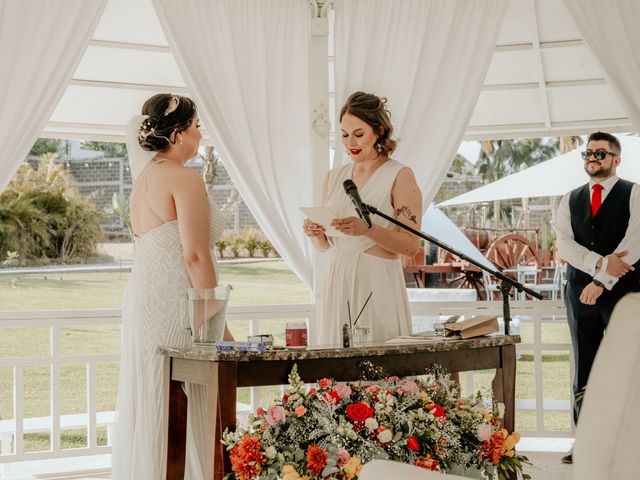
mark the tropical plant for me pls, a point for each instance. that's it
(252, 240)
(43, 214)
(236, 242)
(120, 209)
(221, 246)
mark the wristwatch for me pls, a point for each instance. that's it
(598, 283)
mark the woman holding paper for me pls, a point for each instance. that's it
(365, 276)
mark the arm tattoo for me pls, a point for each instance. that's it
(405, 211)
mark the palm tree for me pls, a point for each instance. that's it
(499, 158)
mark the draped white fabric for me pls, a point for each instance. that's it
(246, 64)
(429, 58)
(612, 33)
(41, 44)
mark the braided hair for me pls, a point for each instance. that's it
(168, 115)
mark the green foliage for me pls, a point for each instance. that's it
(502, 157)
(221, 246)
(236, 242)
(120, 209)
(252, 241)
(110, 149)
(43, 215)
(45, 146)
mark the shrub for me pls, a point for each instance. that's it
(43, 215)
(221, 246)
(236, 242)
(252, 241)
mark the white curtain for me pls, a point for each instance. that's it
(429, 58)
(246, 63)
(41, 44)
(611, 30)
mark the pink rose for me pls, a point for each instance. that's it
(343, 457)
(324, 383)
(300, 410)
(371, 389)
(484, 432)
(343, 390)
(410, 386)
(275, 415)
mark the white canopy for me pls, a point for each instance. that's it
(552, 177)
(439, 226)
(542, 79)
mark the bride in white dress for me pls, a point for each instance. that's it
(176, 227)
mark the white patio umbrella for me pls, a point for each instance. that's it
(552, 177)
(439, 226)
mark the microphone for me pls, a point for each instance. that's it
(351, 190)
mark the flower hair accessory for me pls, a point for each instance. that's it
(173, 104)
(145, 130)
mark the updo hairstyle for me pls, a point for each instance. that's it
(167, 114)
(372, 110)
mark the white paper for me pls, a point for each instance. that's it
(323, 216)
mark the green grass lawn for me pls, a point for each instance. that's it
(254, 283)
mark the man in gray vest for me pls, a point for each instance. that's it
(598, 235)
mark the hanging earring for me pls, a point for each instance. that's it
(180, 142)
(379, 147)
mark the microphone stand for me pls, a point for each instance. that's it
(506, 285)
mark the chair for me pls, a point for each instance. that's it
(490, 287)
(385, 469)
(528, 276)
(607, 438)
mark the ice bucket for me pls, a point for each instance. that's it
(207, 313)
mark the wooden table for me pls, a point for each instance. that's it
(223, 372)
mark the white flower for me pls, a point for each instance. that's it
(371, 424)
(501, 410)
(385, 436)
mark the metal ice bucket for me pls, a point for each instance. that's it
(207, 313)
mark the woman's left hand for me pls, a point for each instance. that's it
(351, 226)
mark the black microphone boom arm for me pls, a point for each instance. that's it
(505, 286)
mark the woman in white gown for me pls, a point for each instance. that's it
(367, 260)
(175, 229)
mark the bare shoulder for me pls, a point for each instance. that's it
(405, 181)
(184, 178)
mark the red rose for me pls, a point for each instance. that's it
(332, 397)
(359, 412)
(285, 397)
(413, 444)
(437, 411)
(313, 392)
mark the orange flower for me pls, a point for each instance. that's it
(316, 459)
(494, 449)
(428, 462)
(246, 458)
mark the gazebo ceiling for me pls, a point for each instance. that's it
(542, 80)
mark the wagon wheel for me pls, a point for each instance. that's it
(509, 251)
(468, 280)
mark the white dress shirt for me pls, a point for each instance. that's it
(584, 259)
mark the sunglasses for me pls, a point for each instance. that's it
(598, 154)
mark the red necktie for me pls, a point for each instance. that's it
(596, 199)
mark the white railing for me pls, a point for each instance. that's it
(535, 312)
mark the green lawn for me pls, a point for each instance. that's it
(254, 283)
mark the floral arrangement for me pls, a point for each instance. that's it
(330, 431)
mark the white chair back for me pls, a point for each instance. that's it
(607, 438)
